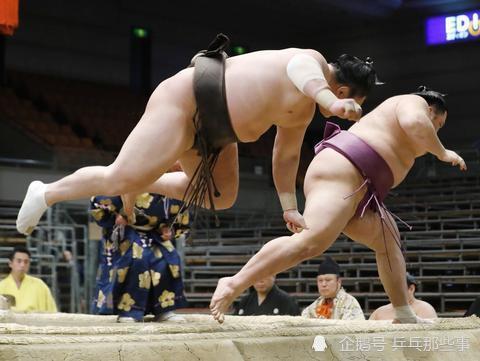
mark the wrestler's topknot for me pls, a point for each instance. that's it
(432, 97)
(358, 74)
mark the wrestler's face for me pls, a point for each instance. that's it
(344, 92)
(20, 264)
(264, 285)
(328, 285)
(411, 290)
(438, 118)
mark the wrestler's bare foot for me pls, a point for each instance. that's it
(222, 298)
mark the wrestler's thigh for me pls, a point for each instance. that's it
(226, 169)
(368, 230)
(225, 172)
(327, 212)
(158, 140)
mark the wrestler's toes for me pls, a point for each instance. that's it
(217, 317)
(213, 306)
(220, 318)
(215, 313)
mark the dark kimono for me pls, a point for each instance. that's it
(139, 271)
(277, 302)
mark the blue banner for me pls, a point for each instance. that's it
(453, 28)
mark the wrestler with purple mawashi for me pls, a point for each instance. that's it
(345, 186)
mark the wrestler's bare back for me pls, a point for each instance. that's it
(421, 309)
(382, 131)
(252, 81)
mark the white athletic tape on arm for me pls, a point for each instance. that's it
(288, 201)
(325, 98)
(307, 75)
(302, 68)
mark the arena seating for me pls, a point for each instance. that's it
(38, 124)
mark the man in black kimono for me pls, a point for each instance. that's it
(267, 299)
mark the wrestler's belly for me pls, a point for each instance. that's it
(250, 118)
(246, 129)
(252, 109)
(398, 165)
(250, 124)
(257, 100)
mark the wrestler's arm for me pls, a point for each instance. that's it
(412, 115)
(285, 160)
(311, 75)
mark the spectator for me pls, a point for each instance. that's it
(334, 302)
(139, 271)
(30, 293)
(421, 308)
(267, 299)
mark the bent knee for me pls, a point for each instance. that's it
(311, 244)
(226, 200)
(382, 243)
(228, 193)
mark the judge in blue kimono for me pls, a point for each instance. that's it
(139, 271)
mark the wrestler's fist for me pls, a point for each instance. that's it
(453, 158)
(294, 221)
(346, 109)
(120, 220)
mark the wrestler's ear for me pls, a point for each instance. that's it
(342, 92)
(432, 111)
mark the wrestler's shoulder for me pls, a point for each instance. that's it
(312, 52)
(403, 99)
(287, 52)
(385, 309)
(408, 98)
(425, 305)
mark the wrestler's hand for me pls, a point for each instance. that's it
(294, 220)
(128, 200)
(346, 109)
(120, 220)
(451, 157)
